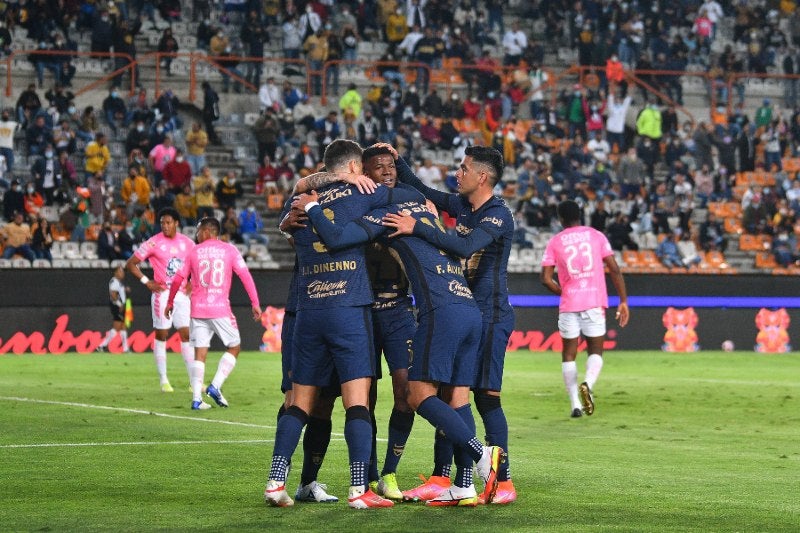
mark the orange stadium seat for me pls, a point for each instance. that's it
(765, 260)
(733, 225)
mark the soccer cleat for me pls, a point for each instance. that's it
(373, 486)
(456, 497)
(387, 487)
(366, 500)
(166, 387)
(586, 398)
(314, 492)
(200, 406)
(506, 493)
(100, 349)
(576, 413)
(216, 395)
(431, 488)
(487, 468)
(275, 494)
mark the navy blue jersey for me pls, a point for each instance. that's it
(291, 299)
(436, 278)
(483, 238)
(329, 278)
(386, 276)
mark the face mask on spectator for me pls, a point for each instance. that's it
(179, 159)
(30, 190)
(48, 154)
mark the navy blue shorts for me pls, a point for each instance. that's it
(492, 355)
(287, 334)
(327, 341)
(445, 345)
(394, 330)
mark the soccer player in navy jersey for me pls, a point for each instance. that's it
(393, 322)
(333, 331)
(484, 232)
(444, 346)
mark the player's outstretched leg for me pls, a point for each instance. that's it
(494, 421)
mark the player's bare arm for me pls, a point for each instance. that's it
(256, 313)
(364, 184)
(133, 267)
(623, 312)
(303, 200)
(547, 279)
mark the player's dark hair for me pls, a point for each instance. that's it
(490, 157)
(210, 223)
(170, 212)
(339, 152)
(373, 151)
(569, 212)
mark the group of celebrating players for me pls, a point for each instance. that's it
(367, 236)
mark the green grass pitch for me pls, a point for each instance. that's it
(679, 442)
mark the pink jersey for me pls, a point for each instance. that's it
(162, 155)
(165, 255)
(578, 253)
(210, 266)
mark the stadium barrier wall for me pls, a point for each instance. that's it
(57, 311)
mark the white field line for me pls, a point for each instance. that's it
(143, 412)
(138, 443)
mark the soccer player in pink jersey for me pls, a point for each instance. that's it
(166, 252)
(580, 254)
(210, 266)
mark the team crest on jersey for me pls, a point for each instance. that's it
(173, 266)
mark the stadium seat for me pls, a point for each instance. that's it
(80, 263)
(5, 263)
(20, 263)
(118, 263)
(89, 250)
(765, 260)
(61, 263)
(259, 252)
(189, 231)
(41, 263)
(71, 250)
(242, 248)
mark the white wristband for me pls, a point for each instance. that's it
(144, 280)
(309, 205)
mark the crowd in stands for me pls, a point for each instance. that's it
(634, 177)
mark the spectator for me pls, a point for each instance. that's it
(38, 136)
(139, 109)
(649, 153)
(196, 142)
(135, 190)
(13, 200)
(648, 123)
(704, 185)
(335, 55)
(253, 35)
(684, 198)
(251, 225)
(107, 245)
(430, 174)
(229, 60)
(368, 129)
(230, 226)
(211, 112)
(619, 233)
(64, 138)
(167, 105)
(290, 95)
(177, 173)
(270, 95)
(185, 206)
(395, 28)
(8, 128)
(350, 102)
(28, 105)
(266, 131)
(514, 42)
(784, 248)
(327, 130)
(97, 156)
(229, 190)
(69, 175)
(598, 147)
(102, 32)
(292, 37)
(160, 155)
(167, 46)
(669, 254)
(88, 126)
(33, 202)
(114, 109)
(712, 234)
(316, 48)
(97, 197)
(204, 197)
(17, 238)
(42, 240)
(615, 122)
(47, 174)
(286, 174)
(764, 114)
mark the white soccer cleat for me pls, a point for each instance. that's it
(487, 468)
(314, 492)
(275, 494)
